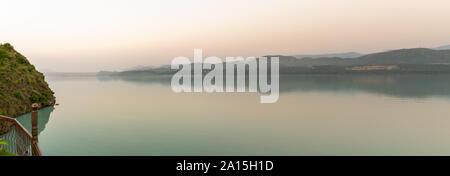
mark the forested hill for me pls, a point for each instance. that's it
(20, 84)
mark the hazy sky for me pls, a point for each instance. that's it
(92, 35)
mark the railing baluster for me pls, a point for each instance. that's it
(20, 141)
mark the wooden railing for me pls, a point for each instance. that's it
(20, 141)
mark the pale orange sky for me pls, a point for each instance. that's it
(93, 35)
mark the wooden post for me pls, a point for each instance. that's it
(34, 127)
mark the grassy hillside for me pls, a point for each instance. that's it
(20, 84)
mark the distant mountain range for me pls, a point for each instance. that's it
(394, 57)
(341, 55)
(416, 60)
(446, 47)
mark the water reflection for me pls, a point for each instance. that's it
(403, 85)
(43, 117)
(315, 115)
(139, 79)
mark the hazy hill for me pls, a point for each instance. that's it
(290, 61)
(403, 60)
(140, 68)
(340, 55)
(446, 47)
(395, 57)
(405, 56)
(20, 84)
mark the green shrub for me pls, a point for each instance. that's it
(4, 54)
(2, 112)
(6, 153)
(8, 46)
(30, 68)
(17, 94)
(13, 66)
(44, 95)
(34, 98)
(40, 98)
(3, 142)
(3, 152)
(21, 59)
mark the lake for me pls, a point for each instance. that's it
(315, 115)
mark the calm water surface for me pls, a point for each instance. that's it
(315, 115)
